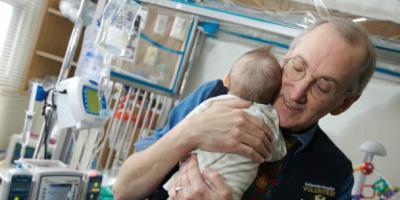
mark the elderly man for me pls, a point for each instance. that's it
(324, 71)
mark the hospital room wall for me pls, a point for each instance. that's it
(375, 116)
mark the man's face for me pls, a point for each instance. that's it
(327, 55)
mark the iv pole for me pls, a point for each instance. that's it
(69, 54)
(73, 43)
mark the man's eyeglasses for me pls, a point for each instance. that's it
(295, 69)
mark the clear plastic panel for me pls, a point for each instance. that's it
(381, 19)
(160, 47)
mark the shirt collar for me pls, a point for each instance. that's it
(304, 137)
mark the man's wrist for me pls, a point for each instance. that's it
(185, 139)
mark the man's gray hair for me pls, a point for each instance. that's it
(354, 34)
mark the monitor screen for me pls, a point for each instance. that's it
(59, 187)
(61, 191)
(20, 187)
(92, 101)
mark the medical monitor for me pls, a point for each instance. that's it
(79, 105)
(59, 187)
(15, 184)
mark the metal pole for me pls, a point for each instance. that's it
(125, 133)
(146, 120)
(194, 51)
(73, 43)
(116, 133)
(153, 116)
(110, 123)
(137, 125)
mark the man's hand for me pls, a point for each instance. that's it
(225, 127)
(192, 184)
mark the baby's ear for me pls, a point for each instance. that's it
(225, 81)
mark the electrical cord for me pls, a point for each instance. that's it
(49, 118)
(46, 111)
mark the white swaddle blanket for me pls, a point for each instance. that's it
(238, 171)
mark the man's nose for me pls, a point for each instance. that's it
(299, 90)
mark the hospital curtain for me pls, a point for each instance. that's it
(18, 25)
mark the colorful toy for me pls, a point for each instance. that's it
(381, 188)
(366, 168)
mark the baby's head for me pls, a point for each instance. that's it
(256, 76)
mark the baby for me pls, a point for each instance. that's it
(256, 76)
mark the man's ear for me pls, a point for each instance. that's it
(345, 105)
(225, 81)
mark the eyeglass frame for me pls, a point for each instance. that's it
(315, 79)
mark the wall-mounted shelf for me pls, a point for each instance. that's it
(48, 53)
(53, 57)
(55, 12)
